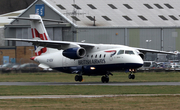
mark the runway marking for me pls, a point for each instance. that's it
(82, 96)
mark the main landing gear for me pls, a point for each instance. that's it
(78, 78)
(105, 79)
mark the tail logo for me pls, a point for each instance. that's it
(39, 50)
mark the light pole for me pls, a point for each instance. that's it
(148, 41)
(31, 52)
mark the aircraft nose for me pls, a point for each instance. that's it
(140, 61)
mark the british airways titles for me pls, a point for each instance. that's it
(91, 61)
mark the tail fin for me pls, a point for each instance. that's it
(39, 32)
(38, 28)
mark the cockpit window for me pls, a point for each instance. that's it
(120, 52)
(129, 52)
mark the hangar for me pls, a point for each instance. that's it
(150, 24)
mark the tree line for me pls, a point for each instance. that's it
(7, 6)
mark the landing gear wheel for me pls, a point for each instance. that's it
(102, 79)
(131, 76)
(105, 79)
(78, 78)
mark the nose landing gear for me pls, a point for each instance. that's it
(131, 75)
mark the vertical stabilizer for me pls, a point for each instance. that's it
(39, 32)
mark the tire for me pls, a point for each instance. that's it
(76, 78)
(106, 79)
(80, 78)
(130, 76)
(102, 79)
(133, 76)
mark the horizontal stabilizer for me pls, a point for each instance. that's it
(35, 19)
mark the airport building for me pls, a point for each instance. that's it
(153, 24)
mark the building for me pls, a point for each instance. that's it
(153, 24)
(12, 53)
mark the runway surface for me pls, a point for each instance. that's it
(81, 96)
(88, 83)
(85, 83)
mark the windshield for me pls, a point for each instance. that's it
(129, 52)
(125, 52)
(120, 52)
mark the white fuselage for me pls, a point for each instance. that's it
(100, 58)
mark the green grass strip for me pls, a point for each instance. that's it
(63, 77)
(86, 90)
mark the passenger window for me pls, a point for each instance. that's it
(129, 52)
(100, 56)
(91, 56)
(120, 52)
(104, 55)
(96, 56)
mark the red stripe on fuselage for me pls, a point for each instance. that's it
(111, 51)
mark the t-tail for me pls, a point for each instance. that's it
(39, 32)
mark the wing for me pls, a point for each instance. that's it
(53, 44)
(64, 45)
(154, 51)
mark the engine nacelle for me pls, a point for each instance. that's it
(74, 53)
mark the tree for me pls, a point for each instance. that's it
(7, 6)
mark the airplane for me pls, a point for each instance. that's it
(82, 58)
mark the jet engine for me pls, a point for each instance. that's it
(74, 53)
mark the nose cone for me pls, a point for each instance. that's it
(134, 61)
(140, 62)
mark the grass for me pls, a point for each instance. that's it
(89, 89)
(63, 77)
(105, 103)
(165, 102)
(86, 90)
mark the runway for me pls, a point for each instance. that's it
(88, 83)
(82, 96)
(85, 83)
